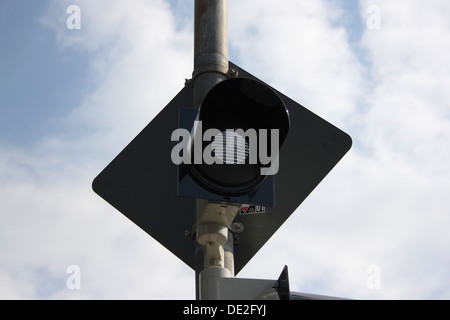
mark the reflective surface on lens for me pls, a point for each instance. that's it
(230, 148)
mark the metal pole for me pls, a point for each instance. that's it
(229, 253)
(210, 46)
(210, 68)
(213, 229)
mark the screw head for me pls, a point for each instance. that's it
(232, 72)
(237, 227)
(188, 82)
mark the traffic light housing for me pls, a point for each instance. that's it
(237, 134)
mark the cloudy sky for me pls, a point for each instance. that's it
(72, 99)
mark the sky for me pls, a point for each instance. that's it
(72, 98)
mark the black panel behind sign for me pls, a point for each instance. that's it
(141, 182)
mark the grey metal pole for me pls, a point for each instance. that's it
(210, 68)
(210, 46)
(229, 253)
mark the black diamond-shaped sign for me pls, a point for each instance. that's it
(141, 182)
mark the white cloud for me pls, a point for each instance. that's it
(296, 46)
(410, 102)
(407, 132)
(51, 218)
(385, 203)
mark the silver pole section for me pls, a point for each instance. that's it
(210, 46)
(210, 68)
(229, 253)
(213, 229)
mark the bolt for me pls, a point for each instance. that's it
(188, 83)
(237, 227)
(232, 72)
(187, 233)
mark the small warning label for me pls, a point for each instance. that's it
(251, 209)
